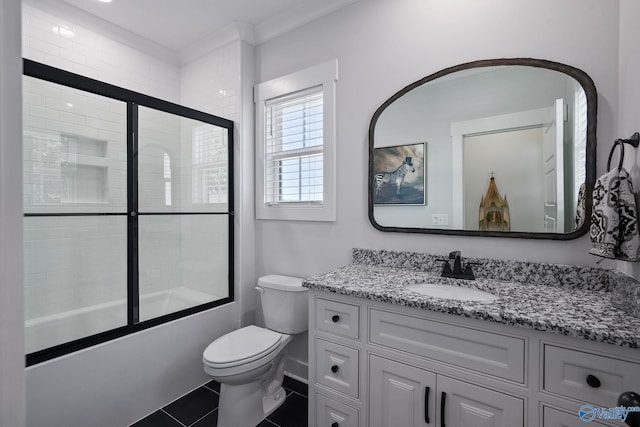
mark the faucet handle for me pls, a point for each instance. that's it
(446, 268)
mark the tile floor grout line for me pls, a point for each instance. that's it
(209, 388)
(301, 395)
(172, 417)
(205, 415)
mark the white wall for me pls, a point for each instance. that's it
(12, 382)
(381, 46)
(628, 119)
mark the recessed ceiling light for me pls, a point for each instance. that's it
(105, 1)
(64, 31)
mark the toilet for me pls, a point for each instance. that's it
(249, 362)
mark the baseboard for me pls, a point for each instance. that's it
(297, 369)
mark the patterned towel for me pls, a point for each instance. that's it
(614, 219)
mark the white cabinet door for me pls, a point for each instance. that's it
(466, 405)
(557, 418)
(400, 395)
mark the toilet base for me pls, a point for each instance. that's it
(245, 405)
(273, 402)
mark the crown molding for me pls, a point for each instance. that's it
(254, 35)
(68, 12)
(230, 33)
(265, 31)
(296, 17)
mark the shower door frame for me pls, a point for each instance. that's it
(133, 100)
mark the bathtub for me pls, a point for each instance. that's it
(48, 331)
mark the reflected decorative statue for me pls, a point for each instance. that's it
(494, 210)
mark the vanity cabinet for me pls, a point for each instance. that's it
(385, 365)
(406, 396)
(556, 418)
(400, 394)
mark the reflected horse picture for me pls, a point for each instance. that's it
(399, 175)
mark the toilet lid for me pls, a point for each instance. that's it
(241, 346)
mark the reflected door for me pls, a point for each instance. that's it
(553, 169)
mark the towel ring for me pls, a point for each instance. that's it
(620, 143)
(633, 140)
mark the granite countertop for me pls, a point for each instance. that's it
(584, 313)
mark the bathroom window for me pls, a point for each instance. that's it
(128, 211)
(296, 145)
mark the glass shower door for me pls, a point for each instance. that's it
(75, 204)
(183, 213)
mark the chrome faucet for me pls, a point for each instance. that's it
(458, 271)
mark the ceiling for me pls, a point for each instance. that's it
(177, 24)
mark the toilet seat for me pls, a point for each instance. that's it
(241, 346)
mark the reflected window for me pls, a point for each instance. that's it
(167, 179)
(580, 138)
(210, 173)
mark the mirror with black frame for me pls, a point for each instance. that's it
(502, 147)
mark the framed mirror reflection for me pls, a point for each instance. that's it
(511, 152)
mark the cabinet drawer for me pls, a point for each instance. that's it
(494, 354)
(337, 367)
(331, 413)
(338, 318)
(566, 372)
(555, 418)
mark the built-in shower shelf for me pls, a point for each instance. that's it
(85, 160)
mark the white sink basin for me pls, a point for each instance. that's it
(451, 292)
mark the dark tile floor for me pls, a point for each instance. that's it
(200, 409)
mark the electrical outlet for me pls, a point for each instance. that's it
(439, 219)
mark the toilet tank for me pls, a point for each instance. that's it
(284, 303)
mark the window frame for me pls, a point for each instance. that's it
(323, 75)
(133, 100)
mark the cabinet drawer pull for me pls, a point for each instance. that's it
(335, 424)
(426, 404)
(335, 319)
(593, 381)
(334, 368)
(442, 403)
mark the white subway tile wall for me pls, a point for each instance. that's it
(75, 161)
(94, 55)
(212, 83)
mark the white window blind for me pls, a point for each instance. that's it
(293, 147)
